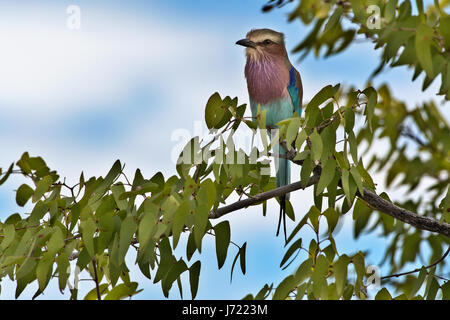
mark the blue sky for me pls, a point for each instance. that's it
(136, 72)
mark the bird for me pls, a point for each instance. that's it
(274, 85)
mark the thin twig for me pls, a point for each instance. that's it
(418, 269)
(97, 287)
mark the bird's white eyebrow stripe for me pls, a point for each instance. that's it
(262, 37)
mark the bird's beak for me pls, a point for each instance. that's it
(246, 43)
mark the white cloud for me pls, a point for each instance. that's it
(45, 66)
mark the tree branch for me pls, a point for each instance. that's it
(411, 218)
(418, 269)
(377, 202)
(264, 196)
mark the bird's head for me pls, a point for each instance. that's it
(263, 43)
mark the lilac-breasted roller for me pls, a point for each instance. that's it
(275, 85)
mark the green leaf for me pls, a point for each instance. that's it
(9, 233)
(304, 271)
(42, 187)
(292, 131)
(366, 176)
(112, 175)
(346, 185)
(174, 273)
(147, 224)
(251, 124)
(233, 264)
(301, 137)
(294, 247)
(194, 277)
(127, 230)
(88, 228)
(200, 223)
(408, 55)
(361, 215)
(23, 194)
(179, 222)
(166, 260)
(56, 242)
(432, 289)
(122, 291)
(284, 288)
(316, 145)
(411, 244)
(332, 189)
(389, 10)
(25, 275)
(106, 227)
(314, 214)
(327, 111)
(23, 163)
(92, 295)
(7, 174)
(445, 288)
(241, 255)
(320, 286)
(301, 290)
(328, 136)
(348, 292)
(324, 94)
(63, 264)
(369, 111)
(312, 113)
(343, 162)
(327, 175)
(358, 10)
(424, 39)
(444, 30)
(190, 247)
(180, 286)
(118, 191)
(332, 218)
(261, 295)
(140, 189)
(298, 227)
(353, 147)
(383, 294)
(209, 188)
(340, 273)
(419, 282)
(305, 171)
(222, 233)
(43, 271)
(445, 206)
(358, 263)
(419, 4)
(358, 180)
(333, 20)
(261, 120)
(349, 117)
(216, 112)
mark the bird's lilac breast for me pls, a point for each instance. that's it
(267, 80)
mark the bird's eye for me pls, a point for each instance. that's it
(267, 41)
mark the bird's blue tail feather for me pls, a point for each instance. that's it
(283, 175)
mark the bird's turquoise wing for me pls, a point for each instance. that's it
(295, 89)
